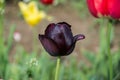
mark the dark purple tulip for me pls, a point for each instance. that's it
(58, 39)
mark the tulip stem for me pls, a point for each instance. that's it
(108, 51)
(57, 68)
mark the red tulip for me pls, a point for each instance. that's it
(114, 9)
(47, 2)
(100, 8)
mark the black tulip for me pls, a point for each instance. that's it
(58, 39)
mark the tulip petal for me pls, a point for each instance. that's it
(98, 8)
(49, 29)
(91, 7)
(78, 37)
(61, 34)
(66, 32)
(65, 24)
(70, 49)
(49, 45)
(101, 7)
(114, 6)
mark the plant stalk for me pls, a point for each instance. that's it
(109, 28)
(57, 68)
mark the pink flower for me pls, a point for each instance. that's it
(17, 36)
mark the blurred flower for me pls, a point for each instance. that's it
(49, 18)
(32, 62)
(100, 8)
(58, 39)
(31, 13)
(47, 2)
(17, 36)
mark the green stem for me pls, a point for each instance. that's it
(3, 54)
(102, 36)
(108, 50)
(57, 68)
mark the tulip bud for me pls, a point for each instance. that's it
(47, 2)
(101, 8)
(31, 13)
(58, 39)
(98, 8)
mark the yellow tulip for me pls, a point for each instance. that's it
(31, 13)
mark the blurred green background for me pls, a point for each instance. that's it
(25, 59)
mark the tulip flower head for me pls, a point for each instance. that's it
(103, 8)
(31, 13)
(58, 39)
(47, 2)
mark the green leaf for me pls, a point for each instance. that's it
(10, 38)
